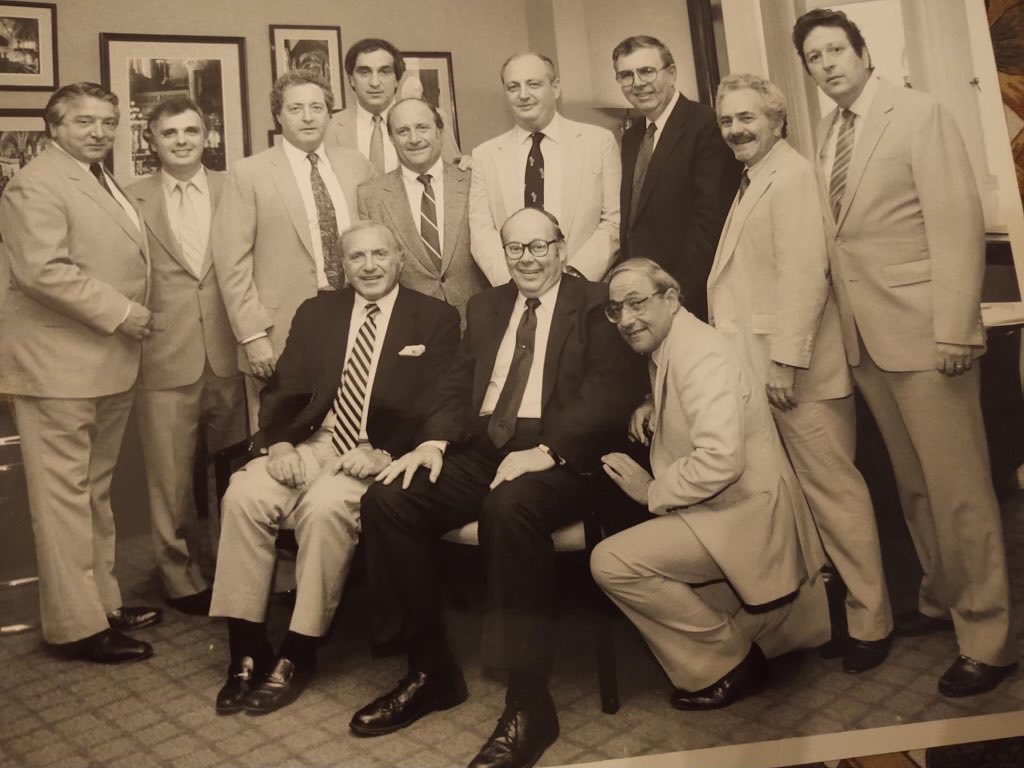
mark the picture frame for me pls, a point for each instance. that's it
(28, 46)
(309, 47)
(274, 137)
(145, 69)
(22, 138)
(430, 75)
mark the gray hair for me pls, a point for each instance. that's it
(548, 64)
(770, 93)
(57, 106)
(660, 279)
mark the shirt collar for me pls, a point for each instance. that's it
(663, 117)
(385, 303)
(757, 167)
(436, 171)
(547, 299)
(553, 131)
(199, 181)
(297, 157)
(365, 117)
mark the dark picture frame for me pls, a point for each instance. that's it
(28, 57)
(309, 47)
(435, 74)
(145, 69)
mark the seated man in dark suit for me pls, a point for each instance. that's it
(541, 385)
(347, 393)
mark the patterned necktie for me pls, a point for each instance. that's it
(643, 160)
(350, 400)
(533, 178)
(377, 146)
(744, 183)
(844, 151)
(193, 249)
(101, 177)
(502, 425)
(428, 221)
(328, 222)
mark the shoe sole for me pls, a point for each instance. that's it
(445, 704)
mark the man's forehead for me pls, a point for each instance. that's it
(626, 284)
(376, 58)
(529, 225)
(90, 105)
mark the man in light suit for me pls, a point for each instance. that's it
(678, 177)
(319, 446)
(374, 68)
(722, 576)
(279, 220)
(769, 295)
(906, 241)
(546, 161)
(71, 329)
(189, 378)
(425, 202)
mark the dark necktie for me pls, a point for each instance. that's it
(533, 178)
(328, 222)
(350, 400)
(428, 221)
(744, 183)
(502, 425)
(377, 146)
(844, 151)
(101, 177)
(643, 160)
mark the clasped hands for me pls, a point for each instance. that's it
(137, 325)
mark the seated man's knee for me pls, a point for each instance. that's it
(503, 511)
(607, 566)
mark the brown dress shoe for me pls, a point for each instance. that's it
(280, 688)
(745, 678)
(108, 647)
(128, 618)
(967, 677)
(417, 694)
(521, 737)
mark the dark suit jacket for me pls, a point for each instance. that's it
(686, 196)
(300, 393)
(591, 382)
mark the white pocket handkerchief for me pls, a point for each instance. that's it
(413, 350)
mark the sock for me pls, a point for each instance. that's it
(249, 638)
(526, 689)
(300, 649)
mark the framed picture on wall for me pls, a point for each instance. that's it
(28, 46)
(430, 76)
(22, 137)
(143, 70)
(274, 137)
(316, 48)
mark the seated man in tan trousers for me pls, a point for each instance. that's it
(346, 395)
(724, 574)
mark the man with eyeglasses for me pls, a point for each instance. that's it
(721, 577)
(540, 387)
(569, 169)
(678, 176)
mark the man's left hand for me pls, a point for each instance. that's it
(521, 462)
(633, 479)
(781, 386)
(953, 359)
(465, 163)
(363, 461)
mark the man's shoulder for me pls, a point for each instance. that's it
(587, 130)
(409, 299)
(376, 184)
(491, 145)
(47, 166)
(144, 186)
(346, 157)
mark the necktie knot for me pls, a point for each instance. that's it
(848, 115)
(372, 311)
(649, 133)
(532, 303)
(377, 119)
(313, 158)
(536, 137)
(744, 182)
(96, 170)
(424, 179)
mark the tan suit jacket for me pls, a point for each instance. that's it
(718, 462)
(908, 248)
(769, 290)
(341, 132)
(262, 252)
(384, 200)
(592, 171)
(76, 261)
(190, 324)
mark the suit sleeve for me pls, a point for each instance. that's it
(595, 256)
(290, 386)
(34, 223)
(485, 240)
(447, 415)
(232, 239)
(363, 203)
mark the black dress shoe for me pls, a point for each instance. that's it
(967, 677)
(520, 739)
(194, 605)
(128, 618)
(914, 623)
(747, 677)
(862, 655)
(108, 647)
(236, 689)
(417, 694)
(280, 688)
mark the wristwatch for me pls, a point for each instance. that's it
(559, 461)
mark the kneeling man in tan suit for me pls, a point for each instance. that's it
(724, 575)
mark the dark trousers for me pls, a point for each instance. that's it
(401, 529)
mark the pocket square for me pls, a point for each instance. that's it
(413, 350)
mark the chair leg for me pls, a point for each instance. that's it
(607, 674)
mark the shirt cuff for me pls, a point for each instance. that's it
(127, 312)
(260, 335)
(441, 445)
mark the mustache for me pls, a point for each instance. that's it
(741, 138)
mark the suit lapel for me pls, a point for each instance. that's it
(215, 183)
(563, 320)
(572, 173)
(874, 126)
(509, 176)
(491, 336)
(819, 166)
(89, 186)
(284, 180)
(630, 149)
(673, 131)
(740, 212)
(395, 203)
(403, 321)
(334, 354)
(456, 194)
(150, 197)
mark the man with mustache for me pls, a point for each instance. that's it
(769, 295)
(569, 169)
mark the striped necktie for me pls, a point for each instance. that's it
(350, 401)
(428, 222)
(840, 166)
(643, 162)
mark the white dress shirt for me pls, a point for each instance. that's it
(364, 131)
(860, 109)
(198, 208)
(662, 120)
(414, 193)
(552, 148)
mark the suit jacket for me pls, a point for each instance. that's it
(908, 249)
(75, 261)
(262, 252)
(341, 132)
(300, 392)
(383, 200)
(590, 207)
(718, 462)
(686, 195)
(591, 380)
(190, 324)
(769, 287)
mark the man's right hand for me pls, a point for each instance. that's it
(284, 464)
(424, 456)
(136, 325)
(261, 357)
(640, 423)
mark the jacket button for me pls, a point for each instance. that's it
(443, 278)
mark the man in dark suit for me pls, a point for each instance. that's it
(540, 387)
(320, 443)
(425, 202)
(189, 379)
(678, 176)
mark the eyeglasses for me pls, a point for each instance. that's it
(642, 75)
(613, 309)
(538, 249)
